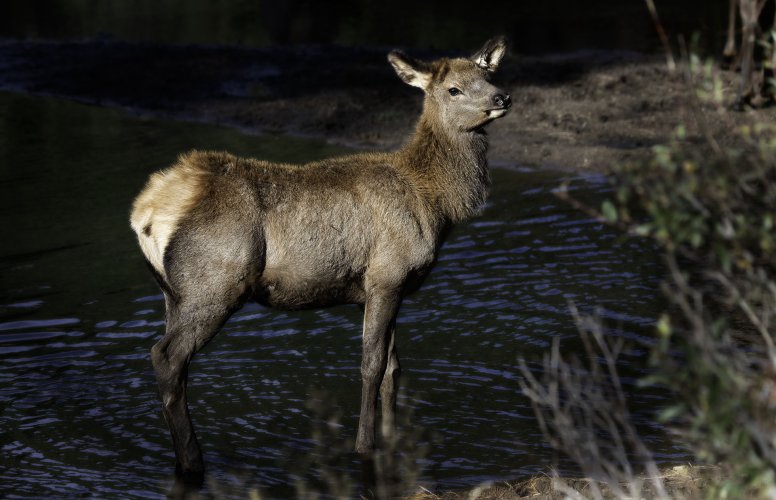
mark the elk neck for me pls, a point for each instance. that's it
(447, 166)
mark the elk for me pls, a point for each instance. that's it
(752, 82)
(217, 230)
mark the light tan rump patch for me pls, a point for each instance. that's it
(167, 197)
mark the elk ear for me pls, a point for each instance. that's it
(490, 55)
(413, 72)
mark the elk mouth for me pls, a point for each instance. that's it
(496, 112)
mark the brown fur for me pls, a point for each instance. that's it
(361, 229)
(166, 198)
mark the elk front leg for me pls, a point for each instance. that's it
(379, 313)
(390, 387)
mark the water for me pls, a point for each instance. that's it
(79, 313)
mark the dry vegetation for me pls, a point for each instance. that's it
(683, 481)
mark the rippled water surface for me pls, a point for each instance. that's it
(79, 313)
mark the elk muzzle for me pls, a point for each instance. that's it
(502, 101)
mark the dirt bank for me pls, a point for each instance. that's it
(579, 111)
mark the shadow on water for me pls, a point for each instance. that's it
(79, 313)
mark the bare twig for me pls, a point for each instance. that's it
(662, 34)
(583, 412)
(760, 324)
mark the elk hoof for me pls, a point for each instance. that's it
(191, 476)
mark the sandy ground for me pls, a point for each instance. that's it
(580, 111)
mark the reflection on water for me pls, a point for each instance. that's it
(79, 313)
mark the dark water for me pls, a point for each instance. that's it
(533, 27)
(79, 313)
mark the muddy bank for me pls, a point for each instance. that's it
(579, 111)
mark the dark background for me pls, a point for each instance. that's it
(533, 27)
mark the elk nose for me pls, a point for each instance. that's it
(502, 101)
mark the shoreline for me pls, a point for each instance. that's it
(573, 112)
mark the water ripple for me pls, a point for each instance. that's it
(81, 414)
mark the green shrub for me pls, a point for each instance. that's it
(713, 211)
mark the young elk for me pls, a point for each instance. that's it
(364, 229)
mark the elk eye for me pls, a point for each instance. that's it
(454, 91)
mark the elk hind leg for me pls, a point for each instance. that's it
(193, 320)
